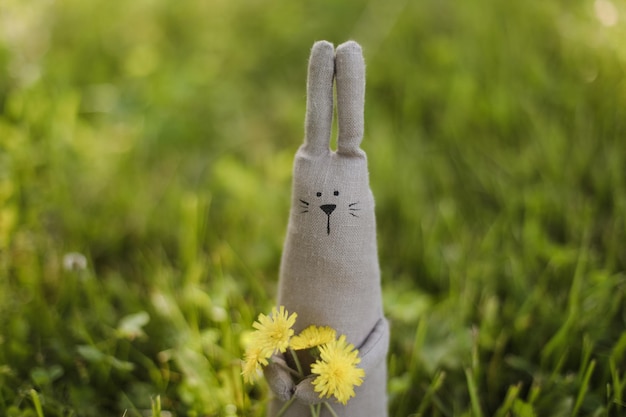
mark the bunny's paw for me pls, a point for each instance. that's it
(305, 392)
(279, 379)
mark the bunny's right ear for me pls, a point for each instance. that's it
(319, 100)
(350, 76)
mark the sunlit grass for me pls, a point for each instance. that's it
(155, 139)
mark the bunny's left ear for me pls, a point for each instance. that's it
(319, 99)
(350, 76)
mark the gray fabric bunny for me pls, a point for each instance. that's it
(329, 271)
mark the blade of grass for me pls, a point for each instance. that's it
(473, 392)
(560, 341)
(618, 385)
(413, 368)
(511, 395)
(584, 386)
(432, 390)
(37, 402)
(156, 406)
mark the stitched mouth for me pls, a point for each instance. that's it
(328, 209)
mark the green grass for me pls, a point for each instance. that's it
(156, 138)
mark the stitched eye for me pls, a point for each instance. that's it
(319, 194)
(336, 193)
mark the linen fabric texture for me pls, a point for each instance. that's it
(329, 271)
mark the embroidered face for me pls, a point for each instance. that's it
(329, 207)
(331, 194)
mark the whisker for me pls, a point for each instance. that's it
(304, 211)
(353, 204)
(304, 202)
(352, 214)
(354, 209)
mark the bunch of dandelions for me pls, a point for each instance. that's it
(335, 360)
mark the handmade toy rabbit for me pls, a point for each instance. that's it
(329, 271)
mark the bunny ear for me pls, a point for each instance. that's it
(350, 68)
(319, 101)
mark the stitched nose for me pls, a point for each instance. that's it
(328, 208)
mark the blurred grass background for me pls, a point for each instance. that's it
(155, 138)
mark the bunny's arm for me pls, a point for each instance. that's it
(374, 349)
(279, 379)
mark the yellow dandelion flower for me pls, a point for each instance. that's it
(337, 373)
(253, 359)
(313, 336)
(274, 331)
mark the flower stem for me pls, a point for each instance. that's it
(286, 406)
(288, 369)
(316, 409)
(330, 409)
(294, 355)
